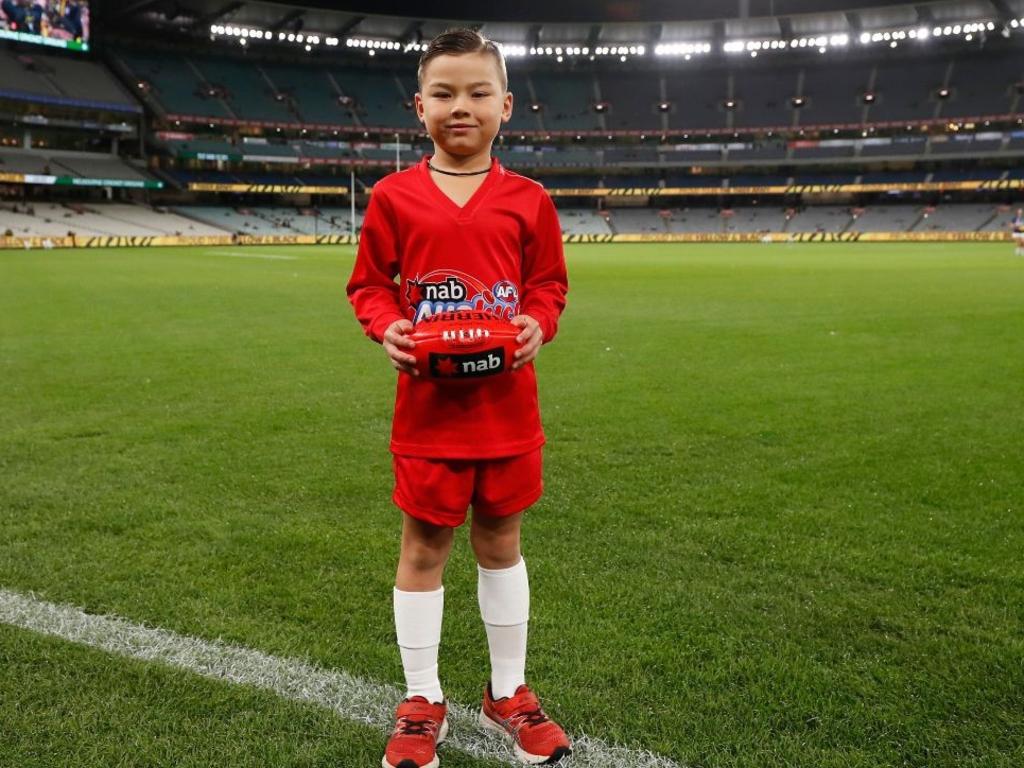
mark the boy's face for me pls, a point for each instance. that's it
(461, 102)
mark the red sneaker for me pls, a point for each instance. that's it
(419, 727)
(535, 737)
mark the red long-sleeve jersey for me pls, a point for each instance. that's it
(501, 252)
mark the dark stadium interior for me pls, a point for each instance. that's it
(831, 96)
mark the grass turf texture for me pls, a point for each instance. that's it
(782, 525)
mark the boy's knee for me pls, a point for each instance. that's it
(424, 553)
(423, 558)
(495, 549)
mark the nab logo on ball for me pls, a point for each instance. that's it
(486, 363)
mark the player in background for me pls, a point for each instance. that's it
(1017, 232)
(461, 231)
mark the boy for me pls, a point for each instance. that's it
(460, 231)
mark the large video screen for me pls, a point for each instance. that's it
(58, 23)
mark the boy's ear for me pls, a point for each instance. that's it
(417, 100)
(506, 107)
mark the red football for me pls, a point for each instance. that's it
(463, 345)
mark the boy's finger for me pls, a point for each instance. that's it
(526, 334)
(399, 341)
(528, 349)
(397, 356)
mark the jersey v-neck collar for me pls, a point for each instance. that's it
(465, 212)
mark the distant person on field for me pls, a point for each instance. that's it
(462, 232)
(1017, 227)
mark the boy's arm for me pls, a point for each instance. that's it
(545, 282)
(372, 288)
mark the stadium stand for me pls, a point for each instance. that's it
(77, 164)
(885, 218)
(274, 220)
(61, 81)
(698, 102)
(95, 167)
(632, 99)
(734, 124)
(577, 221)
(902, 146)
(523, 119)
(177, 85)
(24, 162)
(52, 219)
(771, 218)
(378, 96)
(639, 220)
(763, 96)
(1000, 221)
(904, 89)
(832, 95)
(55, 220)
(567, 101)
(695, 220)
(956, 218)
(820, 218)
(245, 88)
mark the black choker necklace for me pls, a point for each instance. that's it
(457, 173)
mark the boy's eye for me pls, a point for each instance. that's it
(480, 93)
(440, 95)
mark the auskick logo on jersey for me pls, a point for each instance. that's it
(447, 290)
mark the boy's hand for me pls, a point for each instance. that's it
(529, 340)
(395, 341)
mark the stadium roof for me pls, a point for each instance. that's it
(531, 22)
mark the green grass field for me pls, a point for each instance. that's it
(783, 522)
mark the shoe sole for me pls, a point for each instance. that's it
(441, 736)
(521, 754)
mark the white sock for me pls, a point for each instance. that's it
(504, 596)
(418, 626)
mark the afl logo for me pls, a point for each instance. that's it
(506, 291)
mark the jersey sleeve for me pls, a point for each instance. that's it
(545, 282)
(372, 289)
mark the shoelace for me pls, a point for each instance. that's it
(530, 717)
(410, 727)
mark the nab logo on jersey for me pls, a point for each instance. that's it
(449, 290)
(488, 362)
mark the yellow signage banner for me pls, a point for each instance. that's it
(110, 241)
(267, 189)
(792, 189)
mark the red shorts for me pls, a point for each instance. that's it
(439, 491)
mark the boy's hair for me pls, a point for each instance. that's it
(457, 41)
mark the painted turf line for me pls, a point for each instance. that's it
(350, 697)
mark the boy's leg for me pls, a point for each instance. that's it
(419, 604)
(433, 496)
(503, 590)
(504, 488)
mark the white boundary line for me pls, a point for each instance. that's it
(350, 697)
